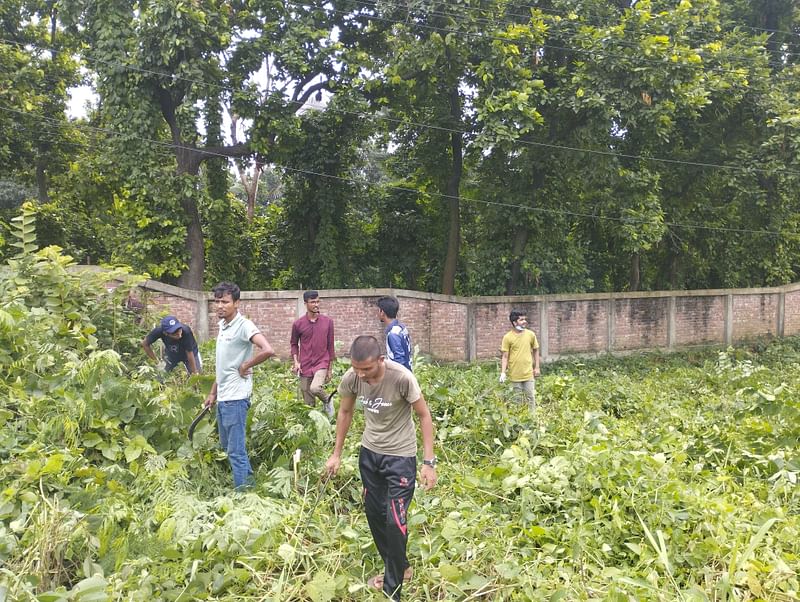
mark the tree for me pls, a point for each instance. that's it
(36, 69)
(322, 196)
(159, 62)
(424, 73)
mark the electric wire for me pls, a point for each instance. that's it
(521, 141)
(552, 12)
(568, 25)
(563, 147)
(586, 51)
(527, 142)
(443, 196)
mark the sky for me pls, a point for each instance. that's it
(79, 98)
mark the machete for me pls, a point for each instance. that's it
(197, 420)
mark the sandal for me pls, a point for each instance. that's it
(376, 581)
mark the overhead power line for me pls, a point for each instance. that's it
(600, 53)
(510, 18)
(442, 196)
(520, 141)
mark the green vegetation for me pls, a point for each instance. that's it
(646, 478)
(477, 147)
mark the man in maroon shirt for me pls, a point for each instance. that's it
(313, 352)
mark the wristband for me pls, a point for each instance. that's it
(431, 462)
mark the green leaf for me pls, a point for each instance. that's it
(92, 589)
(450, 572)
(54, 464)
(92, 440)
(321, 588)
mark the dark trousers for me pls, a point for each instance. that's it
(388, 488)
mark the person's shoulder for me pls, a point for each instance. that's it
(249, 324)
(244, 325)
(395, 328)
(398, 370)
(347, 383)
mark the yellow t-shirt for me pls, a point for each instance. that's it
(519, 346)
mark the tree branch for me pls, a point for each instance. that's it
(233, 151)
(302, 84)
(307, 94)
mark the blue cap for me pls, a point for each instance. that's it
(170, 324)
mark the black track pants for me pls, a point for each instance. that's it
(388, 488)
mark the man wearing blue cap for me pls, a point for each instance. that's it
(179, 345)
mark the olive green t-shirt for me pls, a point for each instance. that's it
(389, 425)
(520, 347)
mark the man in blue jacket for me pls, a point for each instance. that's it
(398, 343)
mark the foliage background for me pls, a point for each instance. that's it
(466, 147)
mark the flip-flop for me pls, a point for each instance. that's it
(376, 581)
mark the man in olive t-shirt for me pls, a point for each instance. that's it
(520, 357)
(388, 393)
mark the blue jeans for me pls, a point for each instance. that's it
(231, 420)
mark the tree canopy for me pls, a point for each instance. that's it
(475, 147)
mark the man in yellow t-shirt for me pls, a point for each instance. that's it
(520, 357)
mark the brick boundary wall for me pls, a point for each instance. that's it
(459, 329)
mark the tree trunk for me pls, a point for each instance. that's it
(41, 181)
(771, 22)
(251, 188)
(674, 270)
(192, 278)
(453, 188)
(517, 249)
(634, 280)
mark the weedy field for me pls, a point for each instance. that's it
(645, 478)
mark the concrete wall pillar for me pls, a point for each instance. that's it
(727, 335)
(611, 318)
(544, 331)
(671, 320)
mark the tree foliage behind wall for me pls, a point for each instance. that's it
(477, 148)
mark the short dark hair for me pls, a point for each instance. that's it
(227, 288)
(389, 305)
(516, 314)
(308, 295)
(365, 347)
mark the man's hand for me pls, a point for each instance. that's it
(502, 377)
(245, 370)
(536, 372)
(332, 465)
(210, 401)
(296, 367)
(328, 375)
(427, 476)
